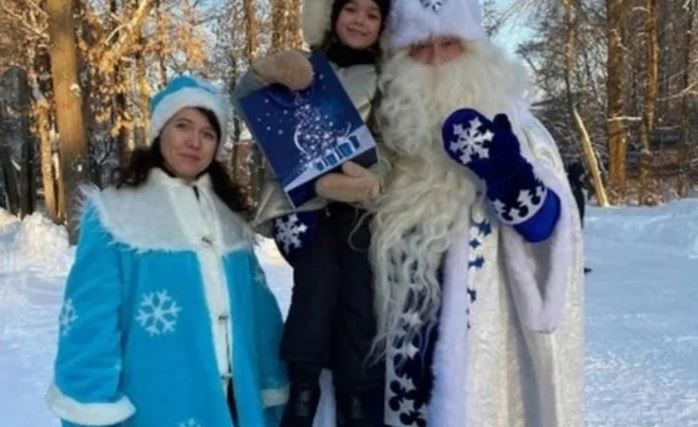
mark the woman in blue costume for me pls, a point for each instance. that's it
(167, 319)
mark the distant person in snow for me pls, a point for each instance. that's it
(576, 175)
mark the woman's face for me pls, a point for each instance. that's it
(359, 23)
(188, 143)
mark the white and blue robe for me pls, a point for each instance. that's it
(507, 350)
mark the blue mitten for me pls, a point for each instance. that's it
(293, 233)
(492, 151)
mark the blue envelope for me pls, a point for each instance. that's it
(307, 134)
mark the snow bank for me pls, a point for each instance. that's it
(8, 222)
(673, 226)
(35, 243)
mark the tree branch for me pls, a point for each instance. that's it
(113, 53)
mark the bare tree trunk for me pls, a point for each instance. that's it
(41, 111)
(592, 163)
(143, 121)
(48, 175)
(617, 142)
(688, 151)
(648, 192)
(293, 25)
(68, 98)
(585, 140)
(251, 30)
(278, 21)
(9, 175)
(14, 124)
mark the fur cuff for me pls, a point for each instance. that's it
(89, 414)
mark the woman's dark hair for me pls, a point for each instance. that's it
(143, 160)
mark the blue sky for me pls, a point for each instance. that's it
(515, 30)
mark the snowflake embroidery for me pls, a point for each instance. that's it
(68, 317)
(259, 276)
(478, 232)
(471, 141)
(434, 5)
(157, 313)
(527, 205)
(191, 422)
(289, 232)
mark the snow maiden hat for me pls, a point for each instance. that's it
(182, 92)
(415, 21)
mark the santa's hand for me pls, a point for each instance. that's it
(354, 184)
(290, 68)
(489, 148)
(492, 151)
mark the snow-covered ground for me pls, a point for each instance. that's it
(642, 333)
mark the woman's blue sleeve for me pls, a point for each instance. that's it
(270, 325)
(86, 385)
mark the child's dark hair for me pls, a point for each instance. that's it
(331, 34)
(143, 160)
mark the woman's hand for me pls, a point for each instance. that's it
(354, 184)
(290, 68)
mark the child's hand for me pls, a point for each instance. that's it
(354, 184)
(290, 68)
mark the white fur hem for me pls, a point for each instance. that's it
(274, 396)
(447, 407)
(89, 414)
(539, 288)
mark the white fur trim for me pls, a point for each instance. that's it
(92, 414)
(275, 396)
(410, 22)
(539, 289)
(183, 98)
(448, 404)
(316, 20)
(218, 303)
(144, 218)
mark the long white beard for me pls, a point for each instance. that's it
(427, 194)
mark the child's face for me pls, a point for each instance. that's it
(359, 24)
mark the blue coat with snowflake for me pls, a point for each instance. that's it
(166, 302)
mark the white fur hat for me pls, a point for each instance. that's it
(415, 21)
(316, 20)
(182, 92)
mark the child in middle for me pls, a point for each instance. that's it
(331, 323)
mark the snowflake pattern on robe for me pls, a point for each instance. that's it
(158, 313)
(434, 5)
(527, 204)
(470, 142)
(289, 231)
(68, 317)
(191, 422)
(406, 400)
(480, 230)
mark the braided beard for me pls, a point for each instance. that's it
(427, 194)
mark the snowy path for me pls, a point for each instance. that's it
(642, 330)
(642, 333)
